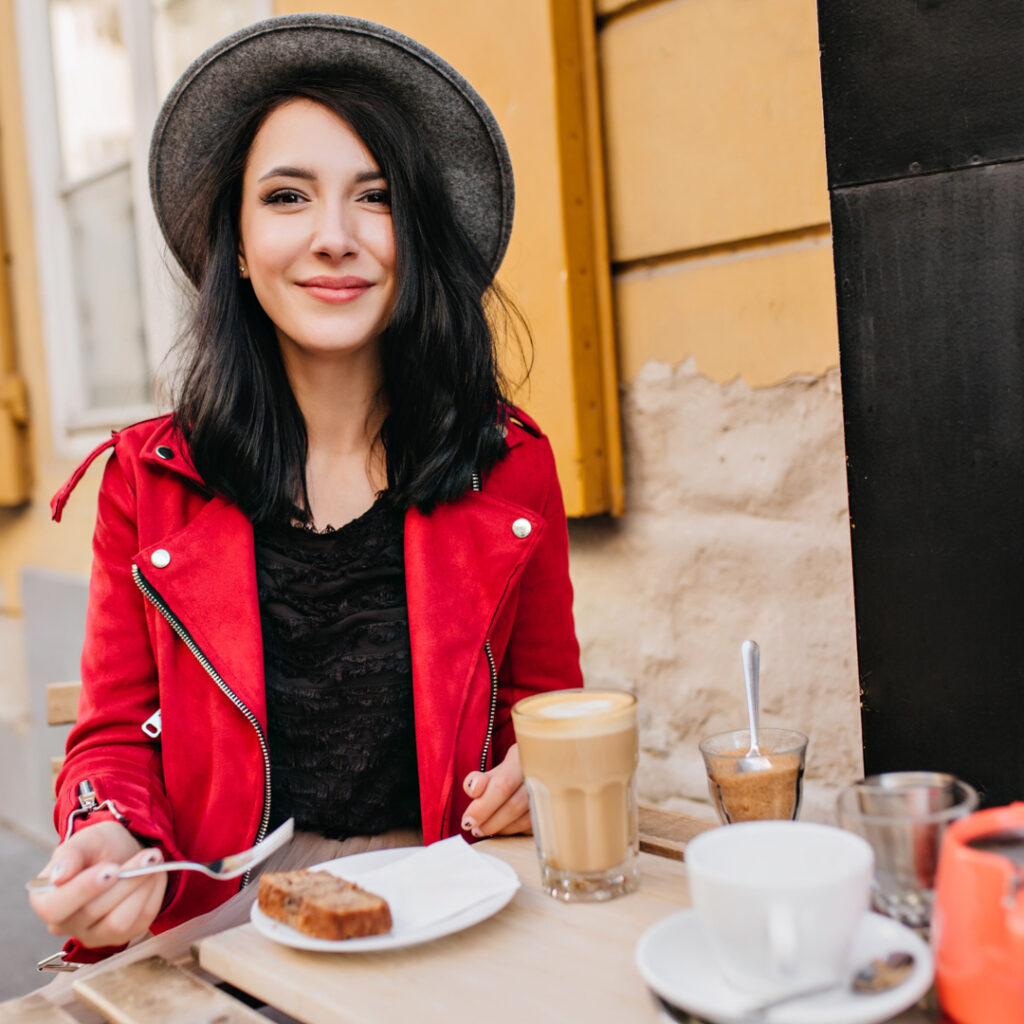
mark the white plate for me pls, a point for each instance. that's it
(675, 959)
(359, 864)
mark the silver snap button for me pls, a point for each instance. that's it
(164, 452)
(521, 528)
(160, 558)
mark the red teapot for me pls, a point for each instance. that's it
(978, 918)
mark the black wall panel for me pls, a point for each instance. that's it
(924, 121)
(912, 86)
(931, 315)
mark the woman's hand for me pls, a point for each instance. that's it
(90, 903)
(500, 805)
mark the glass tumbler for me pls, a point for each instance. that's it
(768, 793)
(903, 815)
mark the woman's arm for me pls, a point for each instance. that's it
(108, 748)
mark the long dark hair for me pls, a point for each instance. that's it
(446, 399)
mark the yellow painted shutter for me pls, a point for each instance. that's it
(14, 477)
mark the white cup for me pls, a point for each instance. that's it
(780, 901)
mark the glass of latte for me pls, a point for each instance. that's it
(579, 754)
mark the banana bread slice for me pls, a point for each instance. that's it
(322, 905)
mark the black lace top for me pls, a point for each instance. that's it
(338, 676)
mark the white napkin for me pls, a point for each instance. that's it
(434, 883)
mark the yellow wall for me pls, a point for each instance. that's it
(718, 198)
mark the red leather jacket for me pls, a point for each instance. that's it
(173, 625)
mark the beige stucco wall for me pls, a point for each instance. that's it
(737, 528)
(736, 521)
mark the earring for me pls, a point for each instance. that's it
(241, 267)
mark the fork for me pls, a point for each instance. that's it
(232, 866)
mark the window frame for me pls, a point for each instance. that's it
(76, 428)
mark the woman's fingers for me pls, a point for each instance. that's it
(70, 899)
(521, 825)
(98, 909)
(474, 784)
(83, 868)
(106, 841)
(130, 917)
(512, 816)
(500, 801)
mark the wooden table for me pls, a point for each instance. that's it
(538, 960)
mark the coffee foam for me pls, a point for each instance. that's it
(577, 708)
(577, 712)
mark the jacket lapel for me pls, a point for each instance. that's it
(460, 562)
(209, 581)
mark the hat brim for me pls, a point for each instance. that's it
(214, 91)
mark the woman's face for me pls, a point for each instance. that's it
(316, 235)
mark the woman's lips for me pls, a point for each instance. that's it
(335, 289)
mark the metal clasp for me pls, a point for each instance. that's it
(56, 962)
(88, 802)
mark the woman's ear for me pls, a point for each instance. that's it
(243, 269)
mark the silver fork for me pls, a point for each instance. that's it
(232, 866)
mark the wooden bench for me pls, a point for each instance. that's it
(61, 709)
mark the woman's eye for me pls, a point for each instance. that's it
(378, 196)
(284, 197)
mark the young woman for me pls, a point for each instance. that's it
(318, 586)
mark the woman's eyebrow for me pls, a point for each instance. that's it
(374, 174)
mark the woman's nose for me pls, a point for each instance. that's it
(334, 233)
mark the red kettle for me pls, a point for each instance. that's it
(978, 918)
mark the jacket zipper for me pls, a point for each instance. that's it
(492, 709)
(154, 598)
(493, 704)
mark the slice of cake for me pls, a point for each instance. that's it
(322, 905)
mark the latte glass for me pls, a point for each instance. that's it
(579, 753)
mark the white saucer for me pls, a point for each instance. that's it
(353, 867)
(675, 959)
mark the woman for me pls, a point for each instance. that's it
(319, 586)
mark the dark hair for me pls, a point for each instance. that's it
(446, 400)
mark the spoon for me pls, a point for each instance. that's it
(880, 975)
(752, 760)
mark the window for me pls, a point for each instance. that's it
(93, 75)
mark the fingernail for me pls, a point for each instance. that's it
(151, 857)
(470, 784)
(467, 824)
(54, 871)
(106, 876)
(477, 833)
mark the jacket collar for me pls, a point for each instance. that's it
(167, 449)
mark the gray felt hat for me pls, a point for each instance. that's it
(455, 123)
